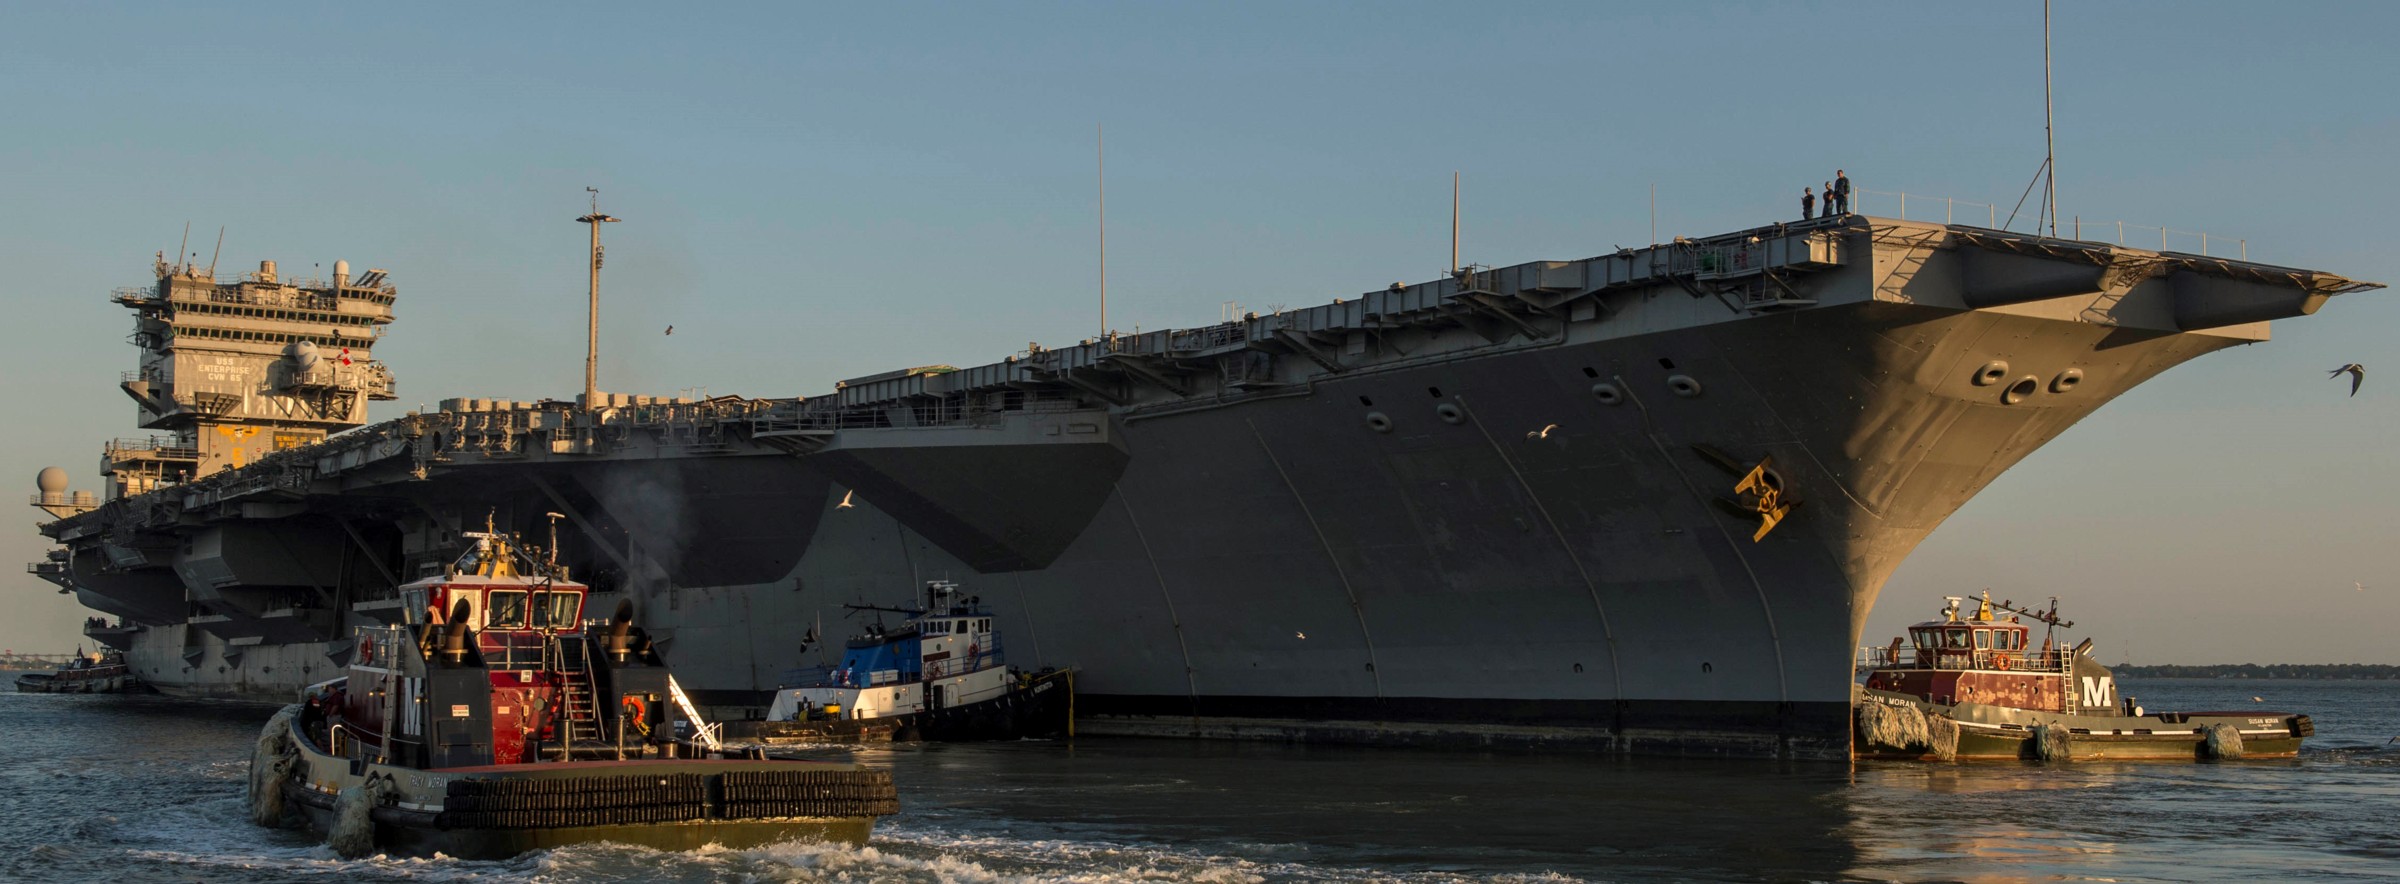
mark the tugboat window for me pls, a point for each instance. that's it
(1956, 638)
(506, 611)
(554, 609)
(1983, 638)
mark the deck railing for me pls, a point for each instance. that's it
(2054, 660)
(1898, 204)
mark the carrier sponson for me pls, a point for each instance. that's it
(1495, 508)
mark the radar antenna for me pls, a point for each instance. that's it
(2049, 617)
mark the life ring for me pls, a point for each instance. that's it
(366, 652)
(2002, 662)
(638, 710)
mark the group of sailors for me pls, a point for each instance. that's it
(1837, 198)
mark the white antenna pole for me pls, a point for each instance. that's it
(1100, 146)
(591, 353)
(1454, 222)
(2049, 139)
(1654, 213)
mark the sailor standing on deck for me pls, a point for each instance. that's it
(1828, 199)
(1808, 204)
(1841, 193)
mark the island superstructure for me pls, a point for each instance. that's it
(1641, 501)
(230, 371)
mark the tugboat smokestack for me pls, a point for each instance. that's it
(618, 625)
(454, 639)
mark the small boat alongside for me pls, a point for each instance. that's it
(490, 721)
(104, 673)
(1972, 686)
(941, 675)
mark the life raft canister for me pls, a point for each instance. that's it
(639, 711)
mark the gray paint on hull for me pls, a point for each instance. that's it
(1459, 580)
(1440, 528)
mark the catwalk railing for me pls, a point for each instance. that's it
(1950, 210)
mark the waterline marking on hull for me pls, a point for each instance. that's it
(1783, 690)
(1616, 676)
(1190, 683)
(1327, 545)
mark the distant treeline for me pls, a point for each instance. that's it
(2253, 670)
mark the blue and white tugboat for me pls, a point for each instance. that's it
(938, 676)
(489, 721)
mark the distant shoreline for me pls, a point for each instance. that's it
(2355, 671)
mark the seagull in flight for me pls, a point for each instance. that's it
(1300, 635)
(2358, 375)
(845, 504)
(1543, 433)
(670, 329)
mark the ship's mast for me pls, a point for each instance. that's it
(1100, 173)
(591, 352)
(1454, 223)
(2049, 137)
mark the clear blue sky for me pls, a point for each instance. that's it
(820, 192)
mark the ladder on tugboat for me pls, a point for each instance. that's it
(705, 731)
(578, 706)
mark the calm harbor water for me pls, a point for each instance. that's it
(137, 790)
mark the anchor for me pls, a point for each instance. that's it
(1760, 492)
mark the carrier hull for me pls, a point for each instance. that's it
(1529, 538)
(1282, 562)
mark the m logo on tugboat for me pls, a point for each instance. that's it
(2099, 691)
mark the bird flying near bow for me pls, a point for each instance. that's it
(2358, 375)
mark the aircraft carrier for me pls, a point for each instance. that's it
(1637, 502)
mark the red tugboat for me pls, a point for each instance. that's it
(490, 722)
(103, 673)
(1974, 686)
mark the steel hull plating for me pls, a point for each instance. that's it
(1282, 569)
(1499, 509)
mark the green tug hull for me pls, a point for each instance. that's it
(1998, 733)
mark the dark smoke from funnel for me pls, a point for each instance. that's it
(652, 507)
